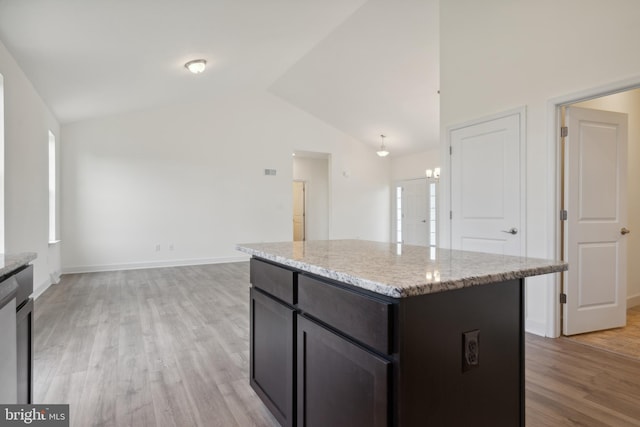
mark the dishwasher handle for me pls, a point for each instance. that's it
(8, 291)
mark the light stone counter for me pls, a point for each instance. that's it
(397, 270)
(8, 264)
(11, 262)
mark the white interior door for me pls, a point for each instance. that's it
(486, 180)
(595, 200)
(415, 213)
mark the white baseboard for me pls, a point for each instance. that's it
(535, 327)
(633, 301)
(39, 289)
(152, 264)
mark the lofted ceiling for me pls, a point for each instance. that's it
(376, 73)
(364, 67)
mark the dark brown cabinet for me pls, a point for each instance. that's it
(324, 353)
(271, 372)
(339, 383)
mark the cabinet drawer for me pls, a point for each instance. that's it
(364, 318)
(274, 280)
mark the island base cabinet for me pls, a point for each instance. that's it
(339, 383)
(436, 384)
(271, 346)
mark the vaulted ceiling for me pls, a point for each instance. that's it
(364, 67)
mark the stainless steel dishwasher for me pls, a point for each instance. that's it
(24, 337)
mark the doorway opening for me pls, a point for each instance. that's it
(600, 191)
(298, 211)
(311, 195)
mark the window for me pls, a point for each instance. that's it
(52, 187)
(2, 248)
(433, 225)
(399, 214)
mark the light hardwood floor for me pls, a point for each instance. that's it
(170, 347)
(624, 341)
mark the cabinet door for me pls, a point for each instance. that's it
(339, 383)
(271, 372)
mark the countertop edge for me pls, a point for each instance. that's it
(12, 262)
(397, 292)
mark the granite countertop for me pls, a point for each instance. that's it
(398, 270)
(8, 264)
(11, 262)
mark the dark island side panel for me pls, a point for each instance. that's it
(435, 386)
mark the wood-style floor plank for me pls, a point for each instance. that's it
(157, 347)
(170, 347)
(571, 384)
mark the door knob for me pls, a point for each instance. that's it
(624, 230)
(424, 220)
(512, 230)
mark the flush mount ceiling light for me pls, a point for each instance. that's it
(383, 150)
(196, 66)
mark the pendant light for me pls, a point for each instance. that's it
(383, 150)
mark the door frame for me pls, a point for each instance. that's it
(445, 229)
(555, 185)
(304, 207)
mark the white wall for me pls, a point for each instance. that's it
(27, 122)
(628, 102)
(193, 177)
(414, 165)
(315, 173)
(498, 54)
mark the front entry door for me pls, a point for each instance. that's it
(486, 183)
(415, 215)
(596, 204)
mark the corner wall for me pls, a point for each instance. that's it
(190, 181)
(27, 122)
(497, 55)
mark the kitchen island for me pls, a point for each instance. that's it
(360, 333)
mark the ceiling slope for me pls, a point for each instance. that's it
(364, 67)
(377, 73)
(89, 59)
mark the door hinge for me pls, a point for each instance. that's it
(450, 150)
(563, 298)
(450, 214)
(564, 132)
(563, 215)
